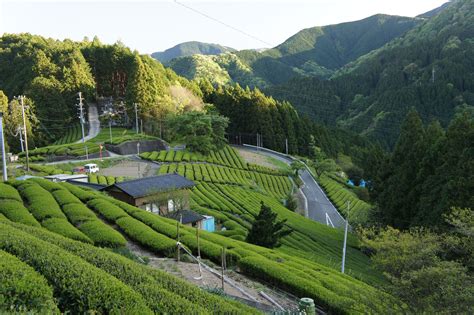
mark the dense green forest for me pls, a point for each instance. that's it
(251, 112)
(316, 51)
(430, 171)
(51, 73)
(189, 49)
(429, 68)
(363, 76)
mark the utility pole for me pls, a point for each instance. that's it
(286, 146)
(22, 103)
(4, 154)
(136, 116)
(345, 239)
(433, 73)
(81, 114)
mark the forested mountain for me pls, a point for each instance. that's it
(51, 73)
(317, 51)
(189, 49)
(221, 69)
(430, 68)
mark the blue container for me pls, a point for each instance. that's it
(208, 223)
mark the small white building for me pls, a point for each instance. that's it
(65, 177)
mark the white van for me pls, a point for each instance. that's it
(91, 168)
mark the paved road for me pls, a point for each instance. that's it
(319, 207)
(94, 123)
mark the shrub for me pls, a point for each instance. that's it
(78, 213)
(41, 204)
(102, 234)
(46, 184)
(69, 274)
(280, 276)
(16, 212)
(146, 236)
(163, 292)
(107, 209)
(63, 227)
(22, 289)
(64, 197)
(8, 192)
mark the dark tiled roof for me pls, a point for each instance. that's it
(151, 185)
(88, 185)
(186, 216)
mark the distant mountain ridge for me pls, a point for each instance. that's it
(316, 51)
(189, 49)
(429, 68)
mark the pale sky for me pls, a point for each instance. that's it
(154, 25)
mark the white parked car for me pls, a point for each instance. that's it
(91, 168)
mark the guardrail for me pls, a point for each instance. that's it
(291, 158)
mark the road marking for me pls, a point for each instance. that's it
(328, 220)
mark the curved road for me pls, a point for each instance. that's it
(319, 207)
(94, 123)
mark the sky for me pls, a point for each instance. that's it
(155, 25)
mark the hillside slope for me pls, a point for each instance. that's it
(76, 214)
(189, 49)
(51, 73)
(317, 51)
(430, 68)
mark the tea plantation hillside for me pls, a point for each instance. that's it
(65, 221)
(231, 190)
(68, 147)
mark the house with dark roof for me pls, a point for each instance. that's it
(161, 194)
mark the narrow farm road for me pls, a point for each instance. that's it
(319, 207)
(94, 123)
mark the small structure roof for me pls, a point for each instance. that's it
(186, 216)
(87, 185)
(147, 186)
(65, 177)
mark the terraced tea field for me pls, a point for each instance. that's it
(72, 220)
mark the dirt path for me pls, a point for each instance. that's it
(131, 169)
(190, 272)
(255, 158)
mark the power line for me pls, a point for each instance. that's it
(223, 23)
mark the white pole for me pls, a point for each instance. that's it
(81, 115)
(345, 240)
(25, 131)
(21, 138)
(4, 154)
(286, 145)
(136, 116)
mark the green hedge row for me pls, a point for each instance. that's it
(16, 212)
(9, 192)
(79, 286)
(47, 211)
(328, 285)
(22, 289)
(145, 235)
(73, 134)
(227, 157)
(63, 227)
(85, 220)
(132, 227)
(163, 293)
(108, 210)
(340, 196)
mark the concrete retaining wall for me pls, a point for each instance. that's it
(130, 147)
